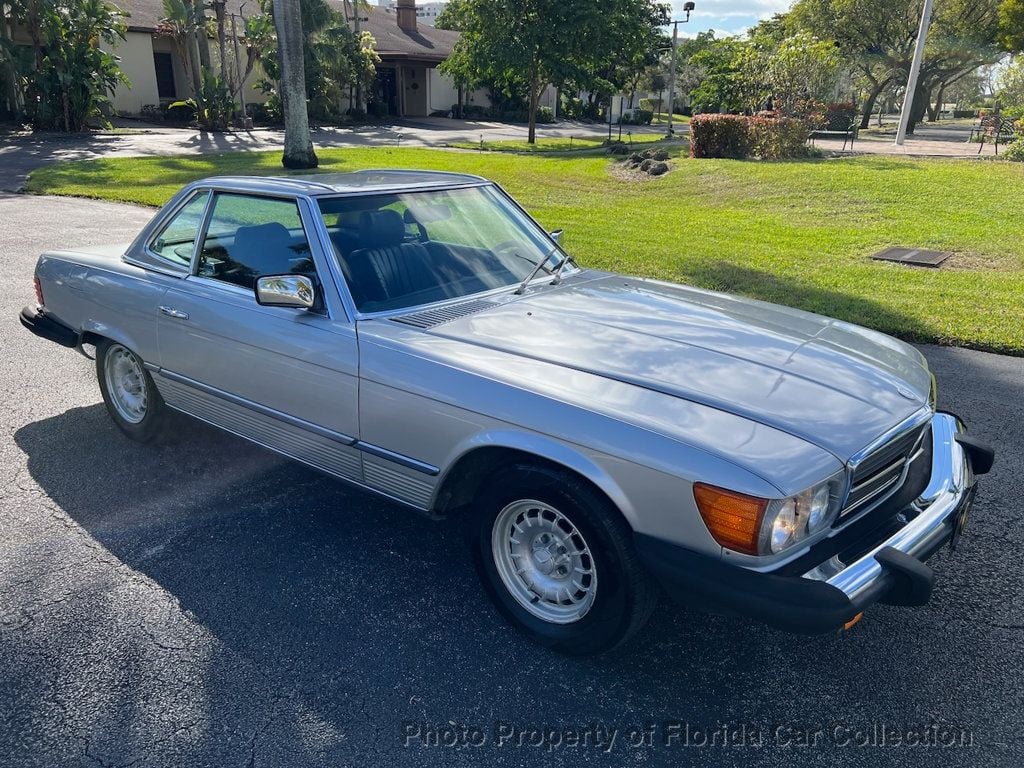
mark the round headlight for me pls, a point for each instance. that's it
(783, 529)
(817, 509)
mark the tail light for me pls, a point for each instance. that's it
(39, 291)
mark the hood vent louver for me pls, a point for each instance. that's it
(433, 317)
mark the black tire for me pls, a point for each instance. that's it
(154, 422)
(624, 596)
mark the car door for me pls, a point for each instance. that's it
(285, 378)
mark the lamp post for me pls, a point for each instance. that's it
(687, 8)
(915, 70)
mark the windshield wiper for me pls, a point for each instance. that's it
(540, 264)
(566, 259)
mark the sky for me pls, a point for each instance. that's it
(731, 17)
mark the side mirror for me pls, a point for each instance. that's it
(557, 235)
(295, 291)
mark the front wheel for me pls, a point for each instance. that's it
(558, 562)
(129, 393)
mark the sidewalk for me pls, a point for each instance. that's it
(928, 140)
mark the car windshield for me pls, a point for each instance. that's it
(412, 248)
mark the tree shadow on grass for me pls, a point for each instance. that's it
(729, 277)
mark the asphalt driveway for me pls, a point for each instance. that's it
(205, 603)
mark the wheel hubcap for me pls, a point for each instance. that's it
(544, 561)
(126, 383)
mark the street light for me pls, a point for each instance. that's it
(687, 8)
(915, 70)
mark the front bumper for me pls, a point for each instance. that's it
(834, 592)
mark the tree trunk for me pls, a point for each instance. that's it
(531, 137)
(199, 15)
(919, 106)
(192, 43)
(298, 148)
(225, 73)
(358, 32)
(869, 102)
(934, 113)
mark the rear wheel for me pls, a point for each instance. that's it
(129, 393)
(558, 562)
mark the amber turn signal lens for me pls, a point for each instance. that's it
(734, 519)
(852, 622)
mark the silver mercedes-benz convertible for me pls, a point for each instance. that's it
(601, 437)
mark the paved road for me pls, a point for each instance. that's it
(204, 603)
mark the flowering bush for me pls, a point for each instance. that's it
(719, 136)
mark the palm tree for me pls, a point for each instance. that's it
(298, 147)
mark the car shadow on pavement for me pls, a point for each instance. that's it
(358, 608)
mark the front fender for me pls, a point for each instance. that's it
(573, 457)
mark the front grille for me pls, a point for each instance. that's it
(880, 473)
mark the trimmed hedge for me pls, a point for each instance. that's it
(719, 136)
(737, 137)
(779, 138)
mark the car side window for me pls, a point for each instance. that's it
(177, 239)
(251, 236)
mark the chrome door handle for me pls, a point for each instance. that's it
(172, 312)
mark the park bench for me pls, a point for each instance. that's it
(849, 134)
(996, 129)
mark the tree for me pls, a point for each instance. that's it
(802, 68)
(298, 147)
(1011, 25)
(1011, 88)
(523, 46)
(715, 66)
(66, 77)
(878, 37)
(338, 63)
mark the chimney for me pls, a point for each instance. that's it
(406, 12)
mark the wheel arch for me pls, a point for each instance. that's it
(94, 333)
(474, 461)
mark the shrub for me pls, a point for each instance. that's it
(545, 115)
(719, 136)
(637, 117)
(778, 138)
(1015, 151)
(265, 113)
(180, 112)
(573, 109)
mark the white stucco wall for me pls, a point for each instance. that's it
(444, 94)
(136, 54)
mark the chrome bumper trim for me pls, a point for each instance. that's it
(950, 483)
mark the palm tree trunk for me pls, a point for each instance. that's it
(199, 15)
(298, 147)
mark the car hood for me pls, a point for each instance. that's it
(833, 384)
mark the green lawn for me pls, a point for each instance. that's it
(662, 119)
(568, 144)
(797, 233)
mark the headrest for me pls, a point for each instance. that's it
(262, 237)
(381, 229)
